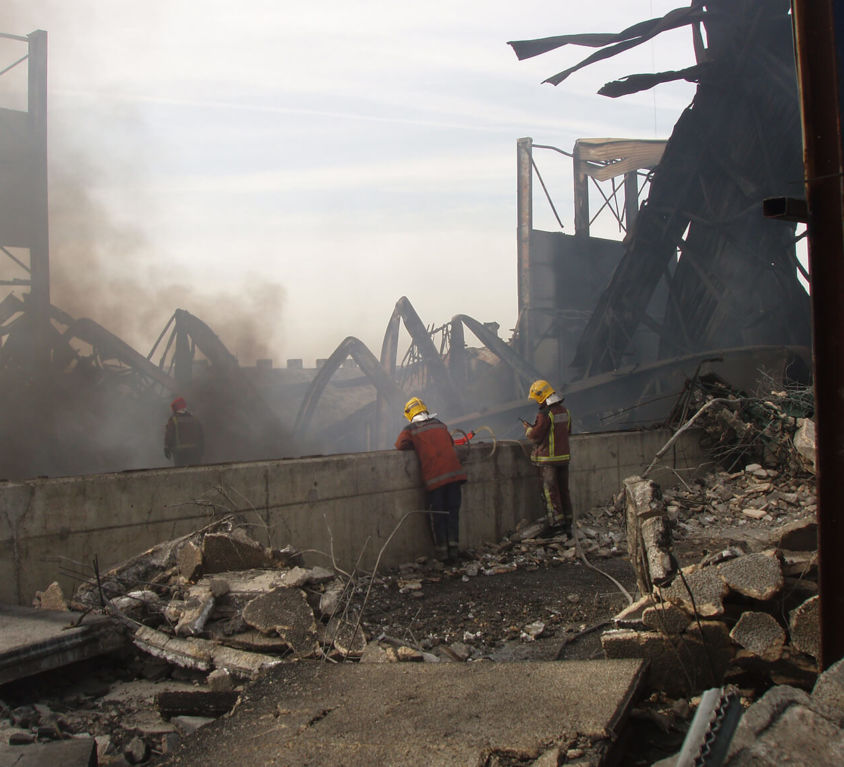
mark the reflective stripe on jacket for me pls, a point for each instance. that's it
(550, 433)
(184, 432)
(435, 449)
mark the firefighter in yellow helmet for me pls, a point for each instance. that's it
(441, 470)
(551, 453)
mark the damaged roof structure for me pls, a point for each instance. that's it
(700, 274)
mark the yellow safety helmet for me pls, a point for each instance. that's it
(540, 391)
(413, 407)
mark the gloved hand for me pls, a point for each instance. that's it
(166, 452)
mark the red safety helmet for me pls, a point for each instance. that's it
(178, 404)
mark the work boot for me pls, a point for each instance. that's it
(453, 553)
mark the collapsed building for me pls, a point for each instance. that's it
(700, 280)
(727, 617)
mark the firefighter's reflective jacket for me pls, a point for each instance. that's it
(550, 434)
(184, 438)
(435, 448)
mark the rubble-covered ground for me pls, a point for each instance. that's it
(201, 624)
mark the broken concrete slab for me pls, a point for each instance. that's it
(201, 654)
(195, 613)
(804, 626)
(828, 693)
(805, 442)
(34, 640)
(648, 533)
(286, 612)
(324, 714)
(235, 550)
(758, 576)
(760, 633)
(784, 727)
(665, 617)
(798, 535)
(707, 587)
(346, 636)
(52, 598)
(631, 616)
(679, 665)
(75, 752)
(189, 561)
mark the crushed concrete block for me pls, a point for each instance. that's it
(321, 575)
(459, 651)
(286, 612)
(222, 552)
(189, 561)
(138, 605)
(648, 533)
(798, 736)
(136, 750)
(760, 633)
(754, 513)
(374, 653)
(52, 598)
(665, 617)
(218, 587)
(251, 641)
(799, 535)
(74, 752)
(804, 442)
(329, 600)
(678, 665)
(247, 665)
(708, 589)
(346, 636)
(656, 538)
(296, 577)
(220, 680)
(758, 576)
(407, 654)
(828, 693)
(804, 626)
(631, 616)
(195, 613)
(798, 564)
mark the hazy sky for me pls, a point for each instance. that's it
(287, 171)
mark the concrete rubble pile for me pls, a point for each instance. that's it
(744, 608)
(218, 599)
(209, 611)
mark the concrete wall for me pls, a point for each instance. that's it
(347, 506)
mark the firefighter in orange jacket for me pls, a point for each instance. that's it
(184, 438)
(442, 473)
(551, 453)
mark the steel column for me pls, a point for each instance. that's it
(524, 207)
(819, 42)
(39, 249)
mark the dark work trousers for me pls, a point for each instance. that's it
(446, 527)
(555, 491)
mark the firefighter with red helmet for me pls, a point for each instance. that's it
(551, 453)
(442, 473)
(184, 438)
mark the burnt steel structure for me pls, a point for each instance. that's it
(729, 274)
(23, 197)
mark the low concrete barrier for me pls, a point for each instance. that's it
(346, 509)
